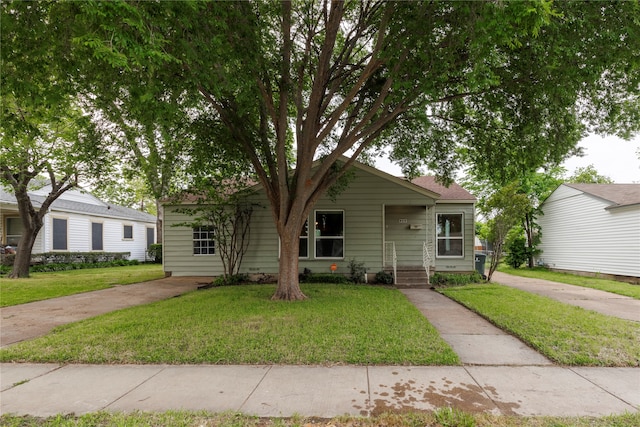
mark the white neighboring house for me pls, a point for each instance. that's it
(79, 222)
(592, 228)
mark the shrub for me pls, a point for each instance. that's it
(155, 253)
(384, 278)
(326, 278)
(357, 271)
(453, 279)
(517, 252)
(45, 268)
(231, 280)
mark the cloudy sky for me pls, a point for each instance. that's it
(611, 156)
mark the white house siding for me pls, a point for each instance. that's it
(362, 203)
(79, 235)
(579, 234)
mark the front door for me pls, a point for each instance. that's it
(407, 227)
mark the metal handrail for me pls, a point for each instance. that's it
(426, 259)
(390, 252)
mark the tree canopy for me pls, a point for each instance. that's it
(504, 87)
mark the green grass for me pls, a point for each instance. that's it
(566, 334)
(442, 417)
(241, 325)
(41, 286)
(612, 286)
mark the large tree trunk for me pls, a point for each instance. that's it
(22, 260)
(288, 280)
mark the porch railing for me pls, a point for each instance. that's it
(426, 259)
(391, 258)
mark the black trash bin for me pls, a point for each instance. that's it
(480, 260)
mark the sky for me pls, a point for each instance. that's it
(611, 156)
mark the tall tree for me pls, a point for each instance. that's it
(588, 175)
(43, 129)
(504, 210)
(485, 82)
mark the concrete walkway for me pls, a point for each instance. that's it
(591, 299)
(499, 375)
(474, 339)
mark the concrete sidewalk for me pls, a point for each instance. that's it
(282, 391)
(591, 299)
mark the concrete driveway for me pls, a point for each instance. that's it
(31, 320)
(591, 299)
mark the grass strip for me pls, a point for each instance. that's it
(441, 417)
(566, 334)
(613, 286)
(241, 325)
(41, 286)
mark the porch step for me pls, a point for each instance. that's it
(411, 277)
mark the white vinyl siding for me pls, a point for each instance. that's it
(580, 234)
(79, 235)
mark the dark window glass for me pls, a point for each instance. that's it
(59, 234)
(96, 236)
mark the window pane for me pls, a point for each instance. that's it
(128, 232)
(329, 224)
(303, 251)
(450, 247)
(59, 234)
(329, 248)
(96, 236)
(14, 231)
(449, 225)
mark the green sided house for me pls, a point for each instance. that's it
(385, 222)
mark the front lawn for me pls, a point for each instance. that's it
(613, 286)
(241, 325)
(564, 333)
(41, 286)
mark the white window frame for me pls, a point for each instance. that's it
(461, 237)
(210, 240)
(318, 238)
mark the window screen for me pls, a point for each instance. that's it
(128, 232)
(59, 234)
(96, 236)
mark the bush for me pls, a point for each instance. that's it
(45, 268)
(326, 278)
(357, 271)
(231, 280)
(517, 252)
(155, 253)
(383, 278)
(453, 279)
